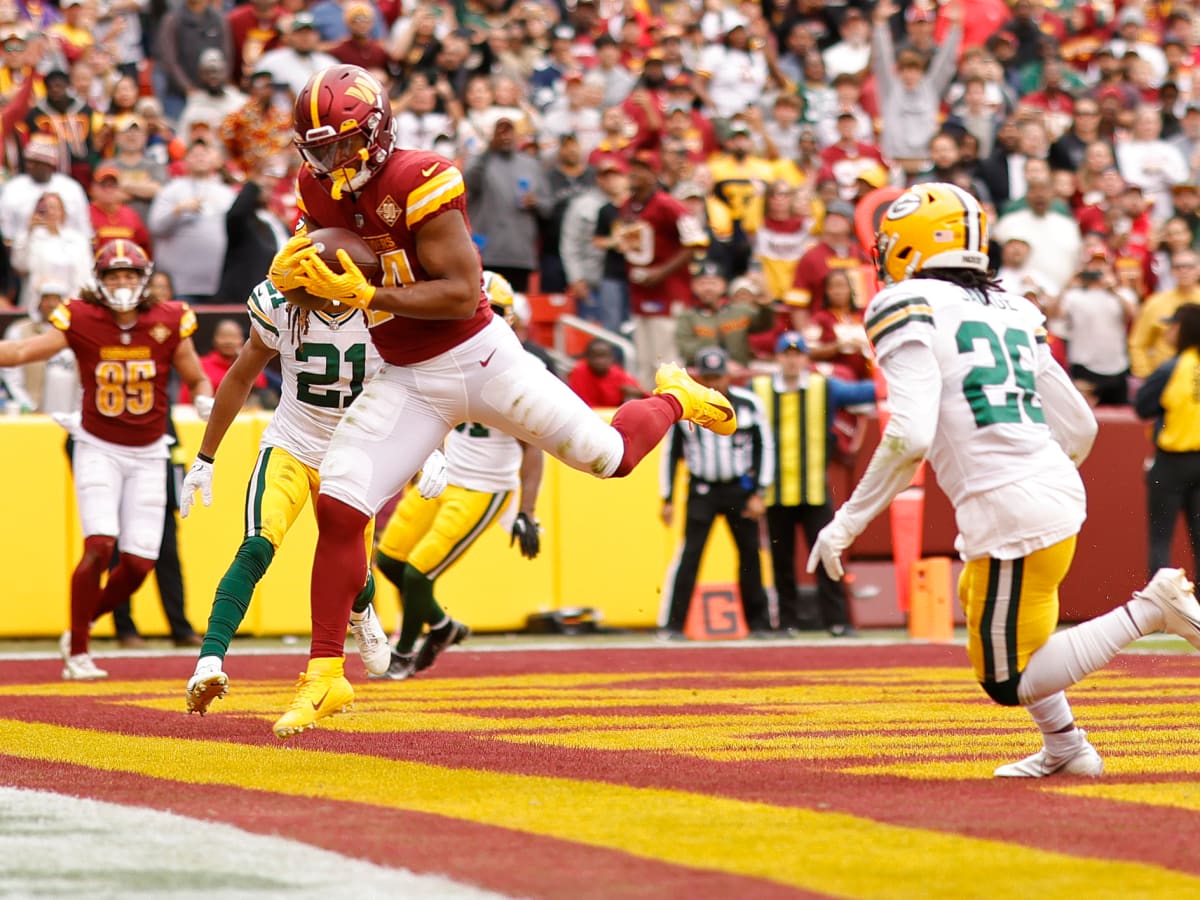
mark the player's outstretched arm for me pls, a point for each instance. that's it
(234, 389)
(451, 262)
(914, 389)
(32, 349)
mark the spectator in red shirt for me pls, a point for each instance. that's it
(359, 49)
(837, 249)
(599, 379)
(253, 29)
(227, 339)
(112, 217)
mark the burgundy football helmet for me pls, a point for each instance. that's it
(121, 254)
(343, 123)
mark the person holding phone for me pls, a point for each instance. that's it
(1093, 316)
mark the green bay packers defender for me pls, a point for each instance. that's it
(326, 357)
(973, 388)
(425, 537)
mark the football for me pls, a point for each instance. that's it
(328, 241)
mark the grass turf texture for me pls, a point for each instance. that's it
(769, 771)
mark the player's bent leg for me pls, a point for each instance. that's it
(1065, 749)
(123, 581)
(322, 690)
(85, 588)
(209, 682)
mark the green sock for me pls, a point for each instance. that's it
(419, 608)
(366, 595)
(234, 593)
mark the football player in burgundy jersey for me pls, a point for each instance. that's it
(125, 347)
(450, 359)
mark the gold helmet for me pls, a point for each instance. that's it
(931, 226)
(499, 293)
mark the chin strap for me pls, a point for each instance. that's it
(343, 177)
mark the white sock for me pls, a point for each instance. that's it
(1069, 655)
(1051, 715)
(1146, 614)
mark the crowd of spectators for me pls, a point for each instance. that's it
(611, 147)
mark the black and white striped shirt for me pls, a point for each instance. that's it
(716, 458)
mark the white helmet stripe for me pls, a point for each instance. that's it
(973, 215)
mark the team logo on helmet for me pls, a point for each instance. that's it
(343, 125)
(931, 226)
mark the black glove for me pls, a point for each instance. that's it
(525, 530)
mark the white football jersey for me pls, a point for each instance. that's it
(483, 459)
(321, 375)
(1013, 487)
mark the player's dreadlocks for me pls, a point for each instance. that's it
(971, 279)
(297, 323)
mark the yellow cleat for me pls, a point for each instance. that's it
(321, 691)
(707, 408)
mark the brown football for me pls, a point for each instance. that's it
(328, 241)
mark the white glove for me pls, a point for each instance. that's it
(434, 477)
(827, 549)
(69, 422)
(203, 407)
(199, 478)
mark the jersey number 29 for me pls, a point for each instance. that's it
(1007, 372)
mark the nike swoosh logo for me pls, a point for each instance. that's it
(425, 173)
(725, 411)
(317, 704)
(484, 362)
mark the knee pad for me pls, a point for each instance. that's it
(1003, 692)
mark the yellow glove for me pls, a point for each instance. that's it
(350, 288)
(286, 273)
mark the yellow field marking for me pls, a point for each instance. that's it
(1182, 795)
(831, 853)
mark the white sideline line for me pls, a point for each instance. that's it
(60, 846)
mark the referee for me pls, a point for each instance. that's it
(1171, 396)
(728, 476)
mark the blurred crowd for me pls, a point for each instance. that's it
(686, 172)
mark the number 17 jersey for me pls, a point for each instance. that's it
(324, 370)
(991, 429)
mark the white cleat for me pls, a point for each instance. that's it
(1083, 761)
(208, 683)
(64, 645)
(372, 642)
(1171, 592)
(80, 667)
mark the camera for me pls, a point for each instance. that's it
(1090, 276)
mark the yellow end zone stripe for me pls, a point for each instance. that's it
(831, 853)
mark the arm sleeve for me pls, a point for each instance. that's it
(914, 386)
(1147, 403)
(574, 236)
(883, 57)
(942, 69)
(1070, 418)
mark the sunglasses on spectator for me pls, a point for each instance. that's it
(14, 45)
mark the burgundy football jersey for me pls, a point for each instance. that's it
(124, 372)
(650, 236)
(412, 188)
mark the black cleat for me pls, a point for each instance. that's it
(437, 641)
